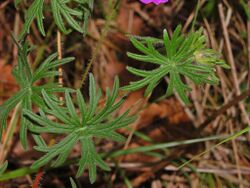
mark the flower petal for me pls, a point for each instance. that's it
(157, 2)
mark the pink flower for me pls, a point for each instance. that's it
(157, 2)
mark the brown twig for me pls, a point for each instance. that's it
(232, 63)
(144, 176)
(60, 82)
(248, 46)
(59, 51)
(236, 156)
(224, 108)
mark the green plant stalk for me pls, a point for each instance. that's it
(17, 173)
(247, 129)
(164, 145)
(73, 183)
(3, 167)
(10, 131)
(245, 7)
(25, 171)
(195, 15)
(101, 40)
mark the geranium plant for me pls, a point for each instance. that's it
(184, 56)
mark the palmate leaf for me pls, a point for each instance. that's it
(34, 11)
(92, 122)
(62, 14)
(183, 56)
(87, 7)
(29, 92)
(60, 10)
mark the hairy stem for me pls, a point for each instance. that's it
(38, 179)
(101, 40)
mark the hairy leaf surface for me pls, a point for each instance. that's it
(79, 127)
(182, 56)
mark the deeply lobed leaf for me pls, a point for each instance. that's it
(29, 93)
(184, 56)
(91, 122)
(61, 13)
(34, 11)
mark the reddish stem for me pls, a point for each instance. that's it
(38, 179)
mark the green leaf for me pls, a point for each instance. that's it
(26, 104)
(61, 13)
(71, 108)
(152, 147)
(92, 122)
(246, 9)
(39, 140)
(86, 6)
(56, 150)
(9, 105)
(56, 110)
(3, 167)
(34, 11)
(60, 10)
(82, 106)
(184, 56)
(29, 93)
(94, 97)
(49, 64)
(72, 182)
(17, 2)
